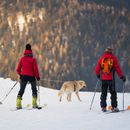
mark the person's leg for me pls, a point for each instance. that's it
(113, 94)
(20, 93)
(34, 94)
(103, 95)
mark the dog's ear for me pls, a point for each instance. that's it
(81, 83)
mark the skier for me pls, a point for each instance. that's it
(28, 71)
(105, 69)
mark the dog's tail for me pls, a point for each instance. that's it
(61, 91)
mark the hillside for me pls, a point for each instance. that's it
(68, 37)
(57, 115)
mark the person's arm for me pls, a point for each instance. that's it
(36, 71)
(97, 69)
(19, 66)
(117, 68)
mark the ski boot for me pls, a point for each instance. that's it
(104, 109)
(115, 109)
(34, 102)
(18, 102)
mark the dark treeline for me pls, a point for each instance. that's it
(67, 36)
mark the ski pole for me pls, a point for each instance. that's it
(123, 95)
(38, 94)
(1, 102)
(94, 94)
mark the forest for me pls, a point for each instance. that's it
(67, 36)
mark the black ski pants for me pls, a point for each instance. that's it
(108, 84)
(23, 86)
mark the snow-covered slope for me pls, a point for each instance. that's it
(57, 115)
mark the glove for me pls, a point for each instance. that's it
(20, 77)
(98, 76)
(123, 78)
(38, 78)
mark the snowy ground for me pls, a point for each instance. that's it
(59, 115)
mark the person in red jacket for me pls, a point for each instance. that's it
(105, 70)
(28, 71)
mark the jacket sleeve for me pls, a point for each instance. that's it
(98, 67)
(35, 67)
(117, 68)
(19, 67)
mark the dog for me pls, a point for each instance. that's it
(69, 87)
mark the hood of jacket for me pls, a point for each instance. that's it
(28, 53)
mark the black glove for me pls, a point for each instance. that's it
(38, 78)
(98, 76)
(21, 77)
(123, 78)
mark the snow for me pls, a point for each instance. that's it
(57, 115)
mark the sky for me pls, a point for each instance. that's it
(57, 115)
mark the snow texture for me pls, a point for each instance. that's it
(57, 115)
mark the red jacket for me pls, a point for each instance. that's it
(28, 65)
(116, 67)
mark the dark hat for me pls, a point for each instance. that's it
(28, 47)
(109, 49)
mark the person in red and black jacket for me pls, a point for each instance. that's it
(28, 71)
(108, 79)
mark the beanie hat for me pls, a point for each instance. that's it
(28, 47)
(109, 49)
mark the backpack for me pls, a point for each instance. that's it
(106, 65)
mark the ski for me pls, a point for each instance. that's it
(38, 107)
(28, 107)
(108, 112)
(16, 109)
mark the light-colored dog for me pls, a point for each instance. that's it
(69, 87)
